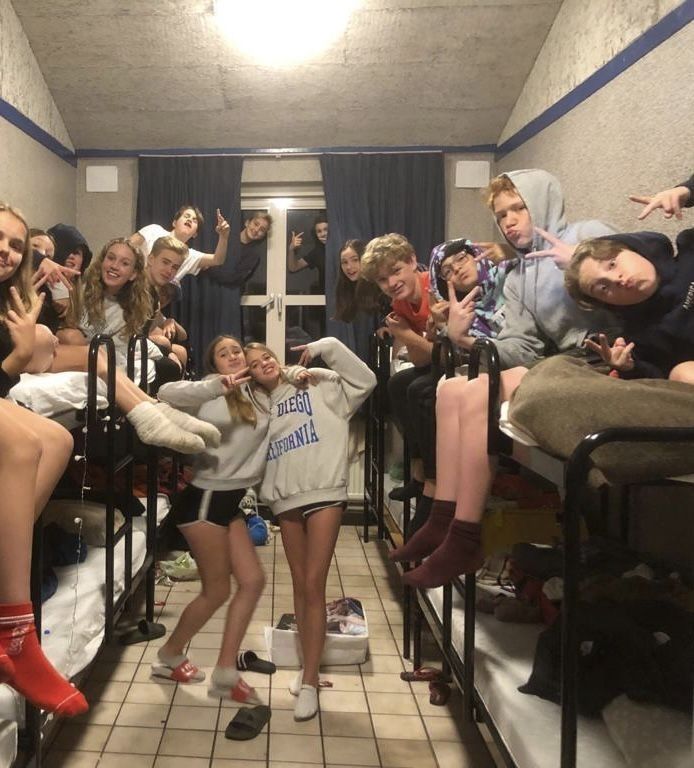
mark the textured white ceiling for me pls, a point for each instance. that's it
(158, 74)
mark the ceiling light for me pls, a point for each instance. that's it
(285, 32)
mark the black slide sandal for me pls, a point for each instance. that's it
(247, 723)
(251, 662)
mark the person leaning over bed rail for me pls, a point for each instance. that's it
(651, 289)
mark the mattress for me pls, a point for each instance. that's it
(529, 726)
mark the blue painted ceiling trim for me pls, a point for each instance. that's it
(667, 26)
(14, 116)
(178, 151)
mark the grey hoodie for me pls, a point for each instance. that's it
(540, 318)
(239, 461)
(307, 453)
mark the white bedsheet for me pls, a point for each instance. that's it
(529, 725)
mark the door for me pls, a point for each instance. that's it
(283, 308)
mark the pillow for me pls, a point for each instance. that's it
(64, 511)
(53, 394)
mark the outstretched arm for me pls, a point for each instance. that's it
(356, 378)
(192, 394)
(670, 200)
(218, 258)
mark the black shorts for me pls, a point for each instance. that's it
(195, 505)
(309, 509)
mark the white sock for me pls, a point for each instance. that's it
(225, 677)
(174, 661)
(208, 432)
(153, 429)
(296, 683)
(306, 705)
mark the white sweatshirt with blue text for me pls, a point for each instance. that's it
(307, 452)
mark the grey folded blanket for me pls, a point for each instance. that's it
(563, 399)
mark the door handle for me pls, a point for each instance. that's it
(269, 303)
(280, 299)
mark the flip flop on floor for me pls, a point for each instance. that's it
(425, 674)
(247, 723)
(185, 672)
(241, 692)
(249, 660)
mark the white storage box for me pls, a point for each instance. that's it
(8, 742)
(346, 640)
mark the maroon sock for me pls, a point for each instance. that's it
(460, 552)
(429, 536)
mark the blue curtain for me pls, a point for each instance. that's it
(368, 195)
(207, 307)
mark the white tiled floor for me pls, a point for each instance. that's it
(370, 717)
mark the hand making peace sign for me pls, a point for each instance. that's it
(560, 251)
(21, 324)
(460, 313)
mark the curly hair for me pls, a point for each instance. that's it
(383, 253)
(134, 298)
(21, 279)
(240, 407)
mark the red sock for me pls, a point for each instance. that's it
(6, 666)
(429, 536)
(34, 676)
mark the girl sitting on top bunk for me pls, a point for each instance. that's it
(208, 514)
(153, 422)
(33, 455)
(305, 481)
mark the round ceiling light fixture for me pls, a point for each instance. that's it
(285, 32)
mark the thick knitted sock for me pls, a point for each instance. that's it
(154, 429)
(208, 432)
(177, 667)
(460, 552)
(429, 536)
(34, 676)
(421, 515)
(306, 705)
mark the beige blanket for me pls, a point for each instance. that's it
(562, 400)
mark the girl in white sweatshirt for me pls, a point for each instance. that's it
(305, 481)
(207, 513)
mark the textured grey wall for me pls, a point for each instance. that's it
(634, 135)
(21, 81)
(585, 35)
(34, 179)
(103, 215)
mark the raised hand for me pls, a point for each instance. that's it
(21, 325)
(231, 380)
(304, 379)
(222, 228)
(560, 251)
(53, 273)
(670, 200)
(617, 356)
(460, 313)
(306, 355)
(296, 241)
(494, 252)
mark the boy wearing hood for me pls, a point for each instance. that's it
(651, 289)
(540, 320)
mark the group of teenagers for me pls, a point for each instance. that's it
(622, 302)
(250, 422)
(547, 288)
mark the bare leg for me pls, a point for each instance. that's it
(33, 455)
(322, 528)
(295, 543)
(250, 579)
(210, 548)
(447, 437)
(683, 372)
(461, 549)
